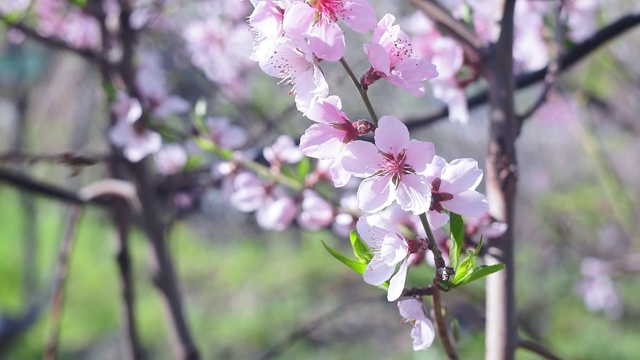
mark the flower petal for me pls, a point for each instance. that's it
(377, 272)
(376, 193)
(396, 285)
(467, 203)
(459, 175)
(392, 136)
(419, 154)
(361, 158)
(414, 194)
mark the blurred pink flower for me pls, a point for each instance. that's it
(137, 142)
(153, 88)
(284, 150)
(171, 158)
(316, 213)
(225, 135)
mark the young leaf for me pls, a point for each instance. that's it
(456, 225)
(360, 249)
(355, 265)
(478, 273)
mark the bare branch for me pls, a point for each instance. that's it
(454, 28)
(61, 272)
(54, 42)
(538, 349)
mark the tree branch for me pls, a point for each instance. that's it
(538, 349)
(55, 43)
(571, 57)
(454, 28)
(61, 272)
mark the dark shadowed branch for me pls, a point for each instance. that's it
(538, 349)
(61, 272)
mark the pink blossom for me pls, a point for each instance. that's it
(294, 63)
(423, 332)
(529, 49)
(447, 55)
(284, 150)
(136, 141)
(318, 23)
(316, 213)
(274, 209)
(392, 168)
(581, 18)
(345, 220)
(485, 225)
(597, 288)
(392, 58)
(171, 158)
(225, 135)
(266, 23)
(389, 249)
(220, 49)
(453, 187)
(277, 212)
(69, 23)
(151, 83)
(328, 138)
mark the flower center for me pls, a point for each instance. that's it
(395, 166)
(327, 9)
(437, 197)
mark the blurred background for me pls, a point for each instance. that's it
(250, 293)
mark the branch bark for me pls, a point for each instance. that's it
(501, 336)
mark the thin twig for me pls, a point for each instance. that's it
(441, 327)
(538, 349)
(362, 91)
(61, 272)
(454, 28)
(571, 57)
(304, 330)
(27, 183)
(552, 69)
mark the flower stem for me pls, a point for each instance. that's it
(436, 290)
(361, 90)
(433, 246)
(436, 300)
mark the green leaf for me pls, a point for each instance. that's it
(304, 167)
(478, 273)
(464, 267)
(455, 329)
(456, 225)
(360, 249)
(194, 162)
(355, 265)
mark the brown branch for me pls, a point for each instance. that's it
(538, 349)
(61, 272)
(29, 184)
(570, 58)
(454, 28)
(501, 183)
(55, 43)
(121, 215)
(441, 327)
